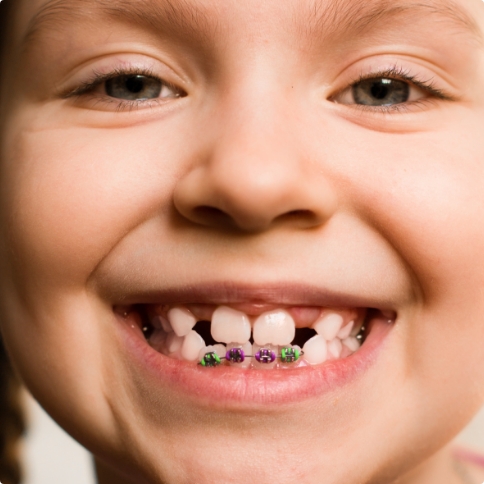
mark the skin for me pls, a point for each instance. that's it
(97, 202)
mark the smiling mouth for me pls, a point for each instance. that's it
(254, 336)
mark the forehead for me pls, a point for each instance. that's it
(212, 17)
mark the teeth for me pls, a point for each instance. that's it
(345, 331)
(274, 327)
(293, 364)
(248, 351)
(173, 343)
(352, 343)
(334, 348)
(316, 350)
(345, 352)
(273, 332)
(160, 322)
(230, 326)
(182, 320)
(329, 325)
(165, 324)
(192, 345)
(262, 353)
(218, 349)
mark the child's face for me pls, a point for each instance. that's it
(253, 176)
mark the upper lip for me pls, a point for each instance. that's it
(270, 294)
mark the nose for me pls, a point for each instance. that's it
(255, 174)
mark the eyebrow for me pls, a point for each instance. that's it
(341, 17)
(171, 15)
(182, 17)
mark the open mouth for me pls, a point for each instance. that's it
(254, 336)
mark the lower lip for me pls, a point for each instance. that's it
(225, 386)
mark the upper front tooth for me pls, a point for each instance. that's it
(274, 327)
(230, 326)
(329, 325)
(182, 320)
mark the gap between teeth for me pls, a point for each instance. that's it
(336, 335)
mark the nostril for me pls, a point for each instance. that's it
(299, 213)
(306, 217)
(212, 216)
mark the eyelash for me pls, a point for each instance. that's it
(396, 72)
(98, 78)
(399, 74)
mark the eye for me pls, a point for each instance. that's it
(380, 92)
(138, 87)
(388, 89)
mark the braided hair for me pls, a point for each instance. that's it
(11, 414)
(11, 422)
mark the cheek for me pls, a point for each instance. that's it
(427, 199)
(69, 195)
(424, 193)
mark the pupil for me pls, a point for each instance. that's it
(379, 90)
(135, 84)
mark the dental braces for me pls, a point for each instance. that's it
(264, 356)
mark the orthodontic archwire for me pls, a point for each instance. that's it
(264, 356)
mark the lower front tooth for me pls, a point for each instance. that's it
(234, 357)
(265, 357)
(192, 344)
(334, 348)
(290, 357)
(220, 350)
(315, 350)
(352, 343)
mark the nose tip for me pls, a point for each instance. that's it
(241, 197)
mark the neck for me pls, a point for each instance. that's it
(441, 467)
